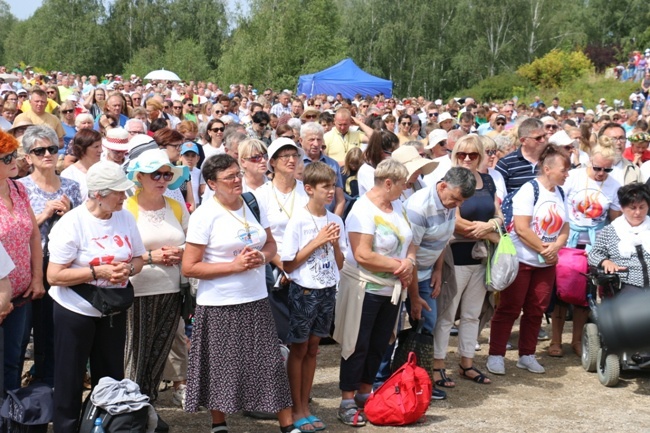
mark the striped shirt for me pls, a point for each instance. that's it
(516, 170)
(432, 225)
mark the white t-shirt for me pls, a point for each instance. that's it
(499, 182)
(391, 233)
(645, 171)
(81, 238)
(588, 201)
(444, 164)
(319, 271)
(72, 172)
(224, 236)
(6, 264)
(158, 229)
(549, 215)
(279, 207)
(196, 181)
(209, 150)
(365, 178)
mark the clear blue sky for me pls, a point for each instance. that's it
(23, 9)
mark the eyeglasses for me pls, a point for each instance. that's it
(232, 178)
(257, 158)
(137, 99)
(490, 152)
(218, 111)
(553, 127)
(406, 124)
(40, 151)
(433, 114)
(167, 176)
(219, 129)
(8, 158)
(501, 123)
(67, 111)
(286, 158)
(598, 169)
(177, 107)
(622, 138)
(539, 138)
(176, 146)
(473, 156)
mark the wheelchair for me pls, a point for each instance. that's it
(598, 355)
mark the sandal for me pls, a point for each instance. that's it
(301, 423)
(351, 415)
(577, 348)
(313, 420)
(555, 350)
(445, 381)
(479, 378)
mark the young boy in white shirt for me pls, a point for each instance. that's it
(312, 255)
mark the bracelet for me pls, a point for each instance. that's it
(411, 260)
(92, 269)
(263, 258)
(150, 259)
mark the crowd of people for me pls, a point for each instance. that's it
(294, 218)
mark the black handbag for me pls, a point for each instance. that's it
(107, 301)
(188, 305)
(418, 341)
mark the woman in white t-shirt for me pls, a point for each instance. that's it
(87, 148)
(97, 244)
(235, 363)
(380, 146)
(378, 268)
(592, 200)
(162, 222)
(540, 230)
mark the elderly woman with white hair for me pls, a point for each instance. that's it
(51, 197)
(86, 265)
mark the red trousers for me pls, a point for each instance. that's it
(530, 293)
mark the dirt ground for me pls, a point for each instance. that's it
(566, 398)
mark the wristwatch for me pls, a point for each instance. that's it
(131, 269)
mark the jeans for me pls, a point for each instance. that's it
(14, 331)
(430, 317)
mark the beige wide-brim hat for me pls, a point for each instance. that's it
(411, 159)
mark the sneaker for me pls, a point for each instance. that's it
(453, 331)
(495, 364)
(178, 397)
(543, 335)
(477, 347)
(350, 414)
(528, 362)
(438, 394)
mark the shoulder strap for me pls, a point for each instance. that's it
(535, 191)
(131, 204)
(176, 208)
(251, 201)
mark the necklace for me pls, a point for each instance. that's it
(327, 220)
(243, 222)
(282, 206)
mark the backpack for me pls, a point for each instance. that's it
(127, 422)
(506, 205)
(403, 399)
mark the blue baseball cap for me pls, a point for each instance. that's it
(189, 146)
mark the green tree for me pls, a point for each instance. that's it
(7, 21)
(185, 57)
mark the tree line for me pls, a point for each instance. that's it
(427, 47)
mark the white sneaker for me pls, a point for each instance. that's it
(495, 364)
(528, 362)
(178, 397)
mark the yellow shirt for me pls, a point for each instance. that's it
(44, 119)
(337, 145)
(50, 107)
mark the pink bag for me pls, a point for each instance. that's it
(571, 284)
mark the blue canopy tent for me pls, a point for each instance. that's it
(346, 78)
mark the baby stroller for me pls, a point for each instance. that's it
(600, 354)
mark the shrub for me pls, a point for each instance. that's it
(557, 68)
(499, 87)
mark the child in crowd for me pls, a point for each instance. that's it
(353, 160)
(190, 157)
(312, 254)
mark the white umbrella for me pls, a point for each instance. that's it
(162, 74)
(8, 78)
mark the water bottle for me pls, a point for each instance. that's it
(98, 426)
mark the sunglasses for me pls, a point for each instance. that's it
(539, 138)
(8, 158)
(490, 152)
(553, 127)
(473, 156)
(221, 129)
(406, 124)
(263, 124)
(177, 107)
(22, 96)
(166, 176)
(311, 116)
(218, 111)
(67, 111)
(51, 93)
(501, 123)
(40, 151)
(433, 114)
(167, 107)
(257, 158)
(598, 169)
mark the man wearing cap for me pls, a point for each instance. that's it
(341, 139)
(311, 140)
(283, 106)
(38, 116)
(580, 115)
(494, 127)
(116, 145)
